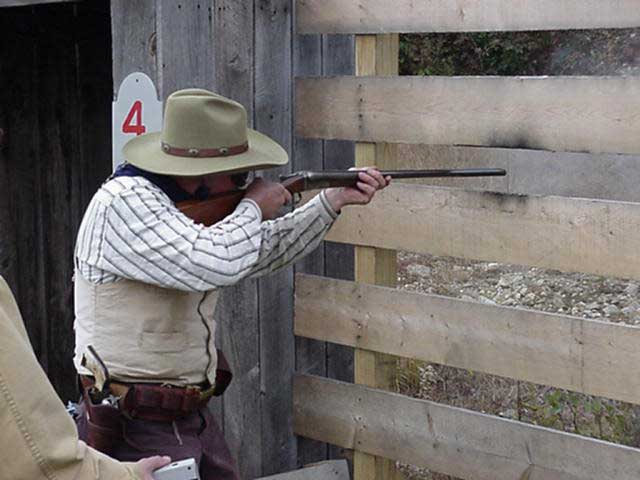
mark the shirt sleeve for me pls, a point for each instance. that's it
(43, 438)
(146, 238)
(287, 239)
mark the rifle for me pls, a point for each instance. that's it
(218, 206)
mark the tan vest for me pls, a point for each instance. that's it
(145, 333)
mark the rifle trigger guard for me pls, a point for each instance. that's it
(297, 198)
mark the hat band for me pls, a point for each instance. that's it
(205, 152)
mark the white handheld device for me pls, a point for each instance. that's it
(182, 470)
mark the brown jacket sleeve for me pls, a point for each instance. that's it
(39, 438)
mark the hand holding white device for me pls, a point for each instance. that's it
(182, 470)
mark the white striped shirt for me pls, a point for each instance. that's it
(132, 230)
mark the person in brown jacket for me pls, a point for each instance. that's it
(39, 439)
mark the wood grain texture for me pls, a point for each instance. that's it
(578, 235)
(185, 45)
(135, 46)
(9, 266)
(60, 146)
(237, 310)
(334, 470)
(450, 440)
(20, 65)
(567, 352)
(338, 58)
(404, 16)
(54, 101)
(273, 117)
(311, 355)
(531, 172)
(375, 55)
(586, 114)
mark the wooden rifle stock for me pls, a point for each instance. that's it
(219, 206)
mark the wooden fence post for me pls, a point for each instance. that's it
(375, 55)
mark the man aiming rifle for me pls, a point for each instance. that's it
(148, 275)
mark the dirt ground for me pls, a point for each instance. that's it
(586, 296)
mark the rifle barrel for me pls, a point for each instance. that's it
(467, 172)
(308, 180)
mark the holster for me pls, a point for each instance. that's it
(223, 375)
(104, 425)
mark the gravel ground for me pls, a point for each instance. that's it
(586, 296)
(581, 295)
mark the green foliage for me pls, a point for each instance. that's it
(569, 52)
(474, 53)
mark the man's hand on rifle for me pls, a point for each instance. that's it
(269, 196)
(370, 181)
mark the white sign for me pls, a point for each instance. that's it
(136, 110)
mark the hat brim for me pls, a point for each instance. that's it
(146, 153)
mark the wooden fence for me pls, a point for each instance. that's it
(61, 64)
(577, 114)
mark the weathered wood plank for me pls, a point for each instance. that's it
(133, 30)
(19, 68)
(532, 172)
(311, 355)
(94, 65)
(338, 58)
(49, 122)
(60, 146)
(589, 114)
(9, 267)
(185, 45)
(273, 116)
(375, 55)
(331, 470)
(578, 235)
(237, 310)
(586, 356)
(450, 440)
(8, 254)
(404, 16)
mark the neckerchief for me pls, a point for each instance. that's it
(166, 183)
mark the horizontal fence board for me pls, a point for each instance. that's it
(450, 440)
(584, 114)
(582, 355)
(405, 16)
(575, 235)
(328, 470)
(531, 172)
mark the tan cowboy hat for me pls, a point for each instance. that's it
(203, 133)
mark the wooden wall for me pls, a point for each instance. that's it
(55, 100)
(246, 50)
(56, 70)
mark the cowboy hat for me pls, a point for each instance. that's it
(203, 133)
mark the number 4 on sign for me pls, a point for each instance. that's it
(134, 126)
(136, 111)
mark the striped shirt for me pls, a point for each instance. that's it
(132, 230)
